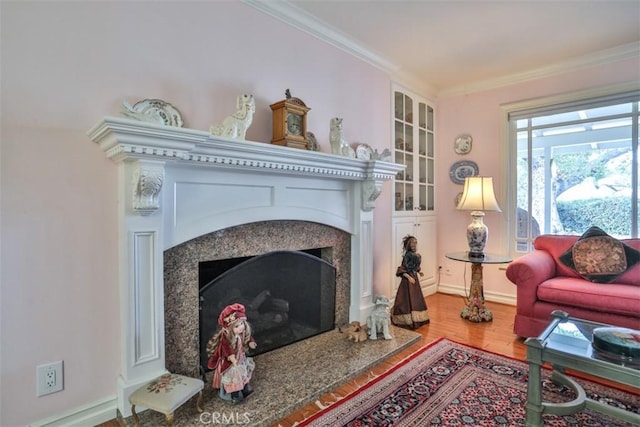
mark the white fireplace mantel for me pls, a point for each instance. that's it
(176, 184)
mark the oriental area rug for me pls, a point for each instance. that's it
(450, 384)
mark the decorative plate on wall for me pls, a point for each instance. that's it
(462, 169)
(462, 144)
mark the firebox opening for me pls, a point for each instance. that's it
(289, 296)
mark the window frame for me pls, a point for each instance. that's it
(509, 150)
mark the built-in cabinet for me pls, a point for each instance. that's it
(414, 188)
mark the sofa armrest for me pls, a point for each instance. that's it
(527, 272)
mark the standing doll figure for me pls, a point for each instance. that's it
(232, 368)
(409, 308)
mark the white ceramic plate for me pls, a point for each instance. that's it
(168, 112)
(462, 144)
(364, 152)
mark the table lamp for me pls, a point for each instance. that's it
(477, 197)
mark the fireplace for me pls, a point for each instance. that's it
(183, 264)
(183, 191)
(288, 296)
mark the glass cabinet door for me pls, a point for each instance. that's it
(403, 137)
(414, 148)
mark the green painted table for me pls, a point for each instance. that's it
(566, 343)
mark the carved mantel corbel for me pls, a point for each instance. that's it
(147, 180)
(371, 189)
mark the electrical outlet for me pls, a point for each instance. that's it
(49, 378)
(446, 270)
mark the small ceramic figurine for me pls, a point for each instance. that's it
(339, 146)
(232, 368)
(380, 318)
(355, 331)
(236, 125)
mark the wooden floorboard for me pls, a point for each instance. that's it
(444, 310)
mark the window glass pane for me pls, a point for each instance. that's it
(430, 198)
(408, 138)
(399, 196)
(422, 148)
(399, 105)
(399, 158)
(408, 109)
(576, 169)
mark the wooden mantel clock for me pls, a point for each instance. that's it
(290, 122)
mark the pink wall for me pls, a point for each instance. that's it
(479, 114)
(67, 64)
(64, 67)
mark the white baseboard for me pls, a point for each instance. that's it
(447, 288)
(89, 415)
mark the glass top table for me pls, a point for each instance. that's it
(487, 259)
(567, 343)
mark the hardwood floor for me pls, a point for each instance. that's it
(444, 312)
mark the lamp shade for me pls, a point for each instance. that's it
(478, 195)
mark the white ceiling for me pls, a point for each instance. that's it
(453, 46)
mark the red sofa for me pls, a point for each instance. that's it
(546, 284)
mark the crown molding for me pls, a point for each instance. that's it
(603, 57)
(292, 15)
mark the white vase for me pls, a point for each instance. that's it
(477, 234)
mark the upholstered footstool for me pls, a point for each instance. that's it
(166, 394)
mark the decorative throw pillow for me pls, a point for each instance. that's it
(598, 257)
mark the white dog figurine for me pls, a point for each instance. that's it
(339, 146)
(236, 125)
(379, 320)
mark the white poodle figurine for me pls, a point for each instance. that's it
(236, 125)
(339, 146)
(380, 318)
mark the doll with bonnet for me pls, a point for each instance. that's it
(232, 368)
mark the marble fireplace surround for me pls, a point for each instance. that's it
(176, 185)
(181, 281)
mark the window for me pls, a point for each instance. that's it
(574, 165)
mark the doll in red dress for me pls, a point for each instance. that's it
(232, 368)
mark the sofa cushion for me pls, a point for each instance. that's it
(598, 257)
(574, 292)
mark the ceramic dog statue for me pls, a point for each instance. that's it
(339, 146)
(355, 331)
(236, 125)
(380, 318)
